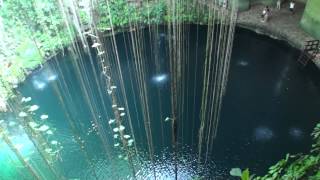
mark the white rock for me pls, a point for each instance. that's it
(95, 45)
(26, 99)
(114, 106)
(33, 124)
(116, 145)
(122, 114)
(43, 128)
(126, 136)
(33, 108)
(49, 132)
(100, 53)
(121, 128)
(113, 87)
(115, 129)
(44, 117)
(48, 150)
(23, 114)
(54, 142)
(115, 136)
(121, 109)
(130, 141)
(111, 121)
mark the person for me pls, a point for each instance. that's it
(265, 14)
(291, 6)
(278, 4)
(224, 4)
(268, 14)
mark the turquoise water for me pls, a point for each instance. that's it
(269, 109)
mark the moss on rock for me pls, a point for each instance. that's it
(310, 21)
(243, 5)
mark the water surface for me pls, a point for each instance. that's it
(270, 108)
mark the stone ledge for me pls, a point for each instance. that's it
(282, 24)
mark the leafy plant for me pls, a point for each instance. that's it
(293, 167)
(243, 175)
(34, 30)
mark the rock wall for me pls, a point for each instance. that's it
(266, 2)
(245, 4)
(310, 21)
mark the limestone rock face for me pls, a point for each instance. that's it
(245, 4)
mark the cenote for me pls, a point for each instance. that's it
(269, 109)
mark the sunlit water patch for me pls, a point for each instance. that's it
(160, 79)
(296, 133)
(263, 134)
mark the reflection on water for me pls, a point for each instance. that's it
(160, 78)
(296, 133)
(39, 85)
(41, 80)
(17, 136)
(263, 134)
(243, 63)
(186, 161)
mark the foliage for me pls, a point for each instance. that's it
(123, 14)
(34, 30)
(295, 167)
(38, 21)
(298, 166)
(31, 31)
(153, 13)
(244, 175)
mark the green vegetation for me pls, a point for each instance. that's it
(293, 167)
(243, 175)
(300, 166)
(148, 13)
(123, 13)
(310, 21)
(34, 30)
(31, 31)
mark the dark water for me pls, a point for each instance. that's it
(270, 108)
